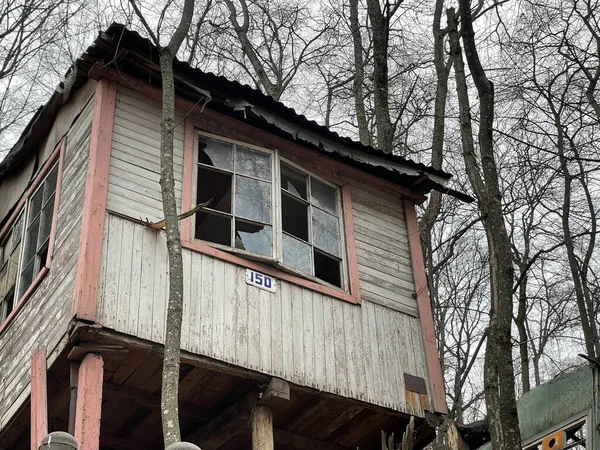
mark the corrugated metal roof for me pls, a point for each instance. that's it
(124, 49)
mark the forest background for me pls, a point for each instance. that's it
(517, 126)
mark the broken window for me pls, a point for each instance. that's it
(24, 248)
(310, 225)
(238, 180)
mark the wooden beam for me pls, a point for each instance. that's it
(299, 442)
(39, 398)
(89, 402)
(276, 392)
(83, 333)
(262, 428)
(225, 426)
(149, 401)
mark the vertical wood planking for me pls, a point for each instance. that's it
(266, 360)
(308, 336)
(218, 301)
(296, 334)
(135, 280)
(149, 259)
(206, 308)
(229, 313)
(297, 341)
(195, 299)
(160, 289)
(124, 279)
(277, 333)
(319, 341)
(241, 339)
(287, 329)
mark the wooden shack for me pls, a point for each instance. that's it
(303, 273)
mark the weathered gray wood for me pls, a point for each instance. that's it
(262, 428)
(52, 298)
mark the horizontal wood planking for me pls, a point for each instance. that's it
(44, 317)
(308, 338)
(384, 267)
(134, 175)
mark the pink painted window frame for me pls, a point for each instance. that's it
(57, 154)
(188, 242)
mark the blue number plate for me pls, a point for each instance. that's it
(260, 280)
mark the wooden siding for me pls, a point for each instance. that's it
(43, 319)
(383, 256)
(134, 174)
(308, 338)
(384, 267)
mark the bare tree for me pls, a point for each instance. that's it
(483, 176)
(172, 352)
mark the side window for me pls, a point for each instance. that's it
(310, 220)
(10, 248)
(37, 231)
(239, 182)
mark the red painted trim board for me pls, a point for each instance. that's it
(261, 136)
(436, 381)
(94, 202)
(189, 243)
(89, 402)
(39, 398)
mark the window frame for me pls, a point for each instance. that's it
(56, 159)
(349, 291)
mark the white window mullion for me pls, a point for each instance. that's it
(22, 250)
(277, 221)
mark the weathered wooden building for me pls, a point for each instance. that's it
(304, 268)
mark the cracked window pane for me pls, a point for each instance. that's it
(323, 196)
(252, 163)
(253, 237)
(326, 232)
(297, 254)
(216, 153)
(293, 181)
(252, 199)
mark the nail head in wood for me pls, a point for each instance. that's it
(58, 440)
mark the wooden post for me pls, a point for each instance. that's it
(262, 428)
(39, 398)
(89, 402)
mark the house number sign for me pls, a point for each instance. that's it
(260, 280)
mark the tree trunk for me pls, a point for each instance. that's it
(520, 322)
(170, 377)
(380, 30)
(359, 75)
(483, 176)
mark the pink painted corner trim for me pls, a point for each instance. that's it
(94, 202)
(191, 244)
(89, 402)
(39, 398)
(350, 241)
(436, 380)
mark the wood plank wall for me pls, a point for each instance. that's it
(44, 318)
(358, 351)
(303, 336)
